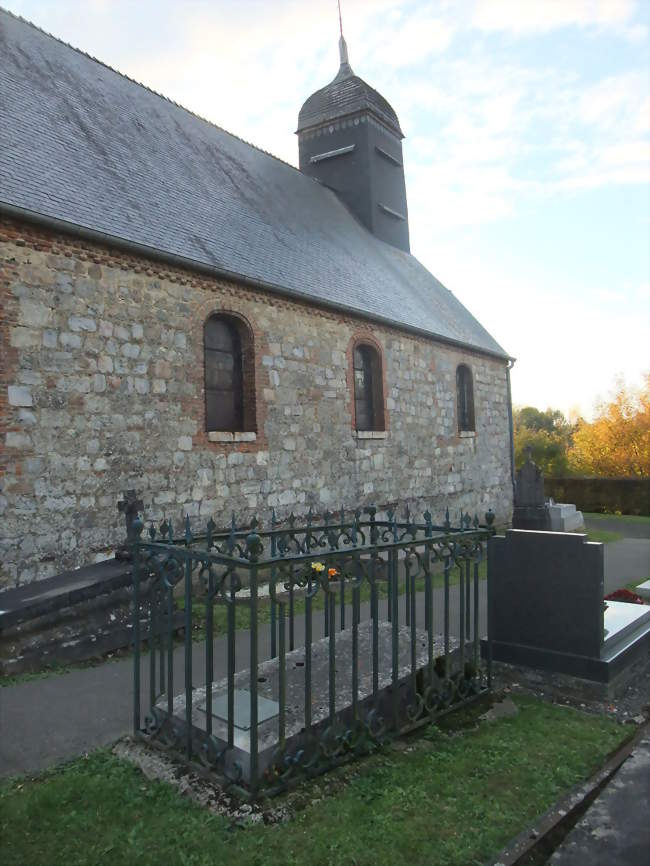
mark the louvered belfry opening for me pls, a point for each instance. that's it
(465, 398)
(229, 372)
(368, 393)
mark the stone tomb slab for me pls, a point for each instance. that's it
(624, 623)
(269, 690)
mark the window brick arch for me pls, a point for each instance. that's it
(229, 374)
(465, 399)
(367, 386)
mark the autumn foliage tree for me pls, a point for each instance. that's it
(617, 442)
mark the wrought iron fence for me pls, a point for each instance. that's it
(339, 651)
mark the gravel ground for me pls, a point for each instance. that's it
(631, 704)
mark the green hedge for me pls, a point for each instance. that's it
(623, 495)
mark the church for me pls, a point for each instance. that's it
(187, 316)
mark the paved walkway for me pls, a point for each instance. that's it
(615, 830)
(626, 560)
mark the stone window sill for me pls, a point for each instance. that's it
(371, 434)
(467, 434)
(223, 436)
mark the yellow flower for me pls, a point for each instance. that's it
(318, 566)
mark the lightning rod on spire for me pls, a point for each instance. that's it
(343, 48)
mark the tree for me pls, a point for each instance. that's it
(547, 434)
(617, 442)
(551, 421)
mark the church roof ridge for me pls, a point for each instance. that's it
(146, 87)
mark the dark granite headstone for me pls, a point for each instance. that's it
(547, 591)
(530, 511)
(546, 608)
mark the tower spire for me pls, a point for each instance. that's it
(343, 48)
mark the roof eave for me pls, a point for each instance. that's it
(309, 127)
(76, 230)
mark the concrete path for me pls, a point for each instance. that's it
(615, 830)
(626, 561)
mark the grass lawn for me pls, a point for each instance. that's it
(604, 535)
(451, 799)
(623, 518)
(242, 614)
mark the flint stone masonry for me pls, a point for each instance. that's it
(102, 391)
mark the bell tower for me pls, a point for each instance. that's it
(349, 138)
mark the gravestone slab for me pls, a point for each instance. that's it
(269, 690)
(547, 591)
(530, 510)
(565, 517)
(546, 608)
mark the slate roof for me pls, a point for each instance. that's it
(346, 94)
(85, 146)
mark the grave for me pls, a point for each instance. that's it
(546, 608)
(564, 517)
(268, 686)
(533, 511)
(530, 508)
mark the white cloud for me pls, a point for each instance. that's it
(542, 16)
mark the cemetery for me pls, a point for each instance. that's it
(277, 583)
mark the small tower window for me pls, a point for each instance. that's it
(368, 390)
(464, 398)
(229, 371)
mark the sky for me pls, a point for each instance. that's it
(527, 150)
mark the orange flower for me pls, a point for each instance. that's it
(332, 572)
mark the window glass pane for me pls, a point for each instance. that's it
(219, 370)
(219, 334)
(464, 398)
(363, 388)
(223, 375)
(222, 410)
(362, 416)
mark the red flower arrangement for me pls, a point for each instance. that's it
(625, 595)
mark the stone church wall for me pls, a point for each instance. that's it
(102, 390)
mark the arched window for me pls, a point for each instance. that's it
(464, 398)
(229, 391)
(368, 389)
